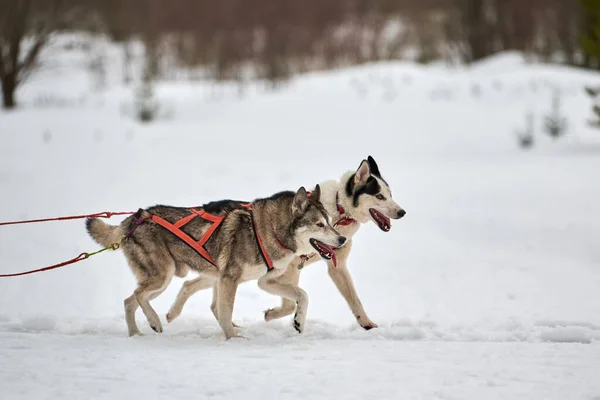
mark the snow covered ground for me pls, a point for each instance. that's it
(488, 288)
(42, 366)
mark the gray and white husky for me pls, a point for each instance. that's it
(248, 243)
(358, 197)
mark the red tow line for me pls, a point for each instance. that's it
(82, 256)
(105, 214)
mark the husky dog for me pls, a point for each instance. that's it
(237, 240)
(358, 197)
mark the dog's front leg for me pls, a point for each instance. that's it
(287, 290)
(227, 288)
(343, 281)
(290, 276)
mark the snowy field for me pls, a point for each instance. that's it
(487, 289)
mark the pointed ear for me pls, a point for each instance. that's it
(362, 173)
(316, 194)
(373, 166)
(300, 203)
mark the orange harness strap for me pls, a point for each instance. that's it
(196, 245)
(216, 220)
(261, 247)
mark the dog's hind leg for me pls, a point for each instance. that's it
(144, 293)
(290, 291)
(291, 276)
(187, 290)
(150, 288)
(131, 306)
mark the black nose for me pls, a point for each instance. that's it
(341, 240)
(401, 214)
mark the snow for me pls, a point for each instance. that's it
(488, 288)
(108, 367)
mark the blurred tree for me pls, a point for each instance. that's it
(273, 40)
(567, 18)
(590, 31)
(120, 23)
(25, 29)
(590, 44)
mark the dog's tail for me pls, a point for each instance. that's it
(103, 233)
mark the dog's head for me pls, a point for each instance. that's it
(371, 197)
(311, 225)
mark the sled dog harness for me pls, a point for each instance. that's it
(216, 220)
(198, 245)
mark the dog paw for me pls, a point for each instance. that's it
(369, 327)
(156, 326)
(297, 326)
(269, 314)
(135, 333)
(171, 316)
(367, 324)
(298, 323)
(236, 336)
(278, 312)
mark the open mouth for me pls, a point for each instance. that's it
(382, 221)
(325, 251)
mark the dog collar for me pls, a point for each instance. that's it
(343, 221)
(283, 246)
(304, 257)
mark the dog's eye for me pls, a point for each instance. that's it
(380, 197)
(321, 225)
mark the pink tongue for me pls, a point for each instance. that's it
(331, 251)
(385, 218)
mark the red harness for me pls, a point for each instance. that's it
(175, 228)
(196, 245)
(216, 220)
